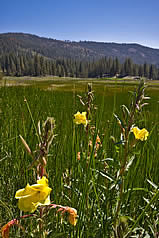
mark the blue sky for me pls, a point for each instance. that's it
(123, 21)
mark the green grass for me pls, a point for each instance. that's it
(88, 184)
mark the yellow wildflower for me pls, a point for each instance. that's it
(140, 134)
(33, 196)
(80, 118)
(72, 213)
(72, 217)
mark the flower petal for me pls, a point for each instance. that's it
(31, 196)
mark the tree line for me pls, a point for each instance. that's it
(29, 64)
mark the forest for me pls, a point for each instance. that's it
(30, 64)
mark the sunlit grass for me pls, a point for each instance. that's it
(84, 183)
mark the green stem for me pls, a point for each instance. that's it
(122, 170)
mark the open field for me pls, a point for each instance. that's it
(90, 182)
(49, 80)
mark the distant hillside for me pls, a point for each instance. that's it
(83, 50)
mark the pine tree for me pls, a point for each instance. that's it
(135, 70)
(37, 65)
(7, 65)
(141, 70)
(118, 66)
(59, 70)
(128, 66)
(153, 72)
(42, 66)
(22, 65)
(146, 70)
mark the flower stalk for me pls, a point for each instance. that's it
(126, 128)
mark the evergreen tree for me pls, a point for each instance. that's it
(141, 70)
(22, 65)
(146, 70)
(118, 66)
(135, 70)
(18, 68)
(37, 65)
(128, 67)
(109, 65)
(59, 70)
(153, 72)
(54, 69)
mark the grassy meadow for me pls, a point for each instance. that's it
(109, 202)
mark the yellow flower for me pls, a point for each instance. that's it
(80, 118)
(33, 196)
(140, 134)
(72, 217)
